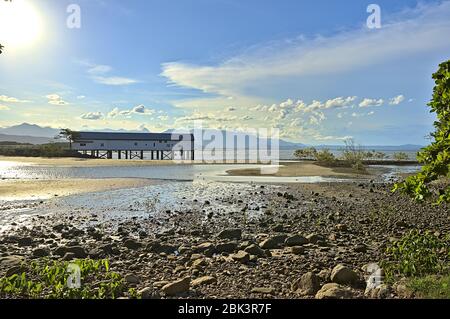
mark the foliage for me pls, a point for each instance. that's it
(417, 254)
(45, 150)
(431, 287)
(352, 153)
(400, 156)
(435, 157)
(67, 134)
(48, 279)
(324, 156)
(306, 153)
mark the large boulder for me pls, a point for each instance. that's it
(177, 287)
(307, 284)
(132, 244)
(226, 247)
(231, 233)
(273, 242)
(296, 240)
(205, 280)
(334, 291)
(241, 256)
(11, 261)
(255, 250)
(77, 251)
(344, 275)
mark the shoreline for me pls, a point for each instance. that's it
(22, 189)
(285, 233)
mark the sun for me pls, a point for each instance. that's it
(20, 23)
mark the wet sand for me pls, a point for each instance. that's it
(43, 189)
(85, 162)
(296, 169)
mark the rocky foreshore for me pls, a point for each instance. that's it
(297, 241)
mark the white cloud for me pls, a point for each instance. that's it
(332, 137)
(81, 97)
(138, 109)
(99, 69)
(340, 102)
(397, 100)
(92, 116)
(4, 108)
(411, 31)
(371, 102)
(99, 73)
(9, 99)
(55, 99)
(114, 80)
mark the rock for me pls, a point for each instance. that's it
(263, 290)
(205, 280)
(132, 279)
(40, 252)
(167, 249)
(16, 270)
(273, 242)
(241, 256)
(382, 291)
(11, 261)
(308, 284)
(298, 250)
(231, 233)
(226, 247)
(203, 247)
(77, 251)
(68, 257)
(278, 228)
(177, 287)
(343, 275)
(334, 291)
(296, 240)
(199, 263)
(325, 275)
(361, 248)
(60, 251)
(255, 250)
(341, 227)
(314, 238)
(132, 244)
(149, 293)
(24, 241)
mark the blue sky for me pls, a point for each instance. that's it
(311, 68)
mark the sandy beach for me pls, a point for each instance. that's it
(85, 162)
(304, 168)
(43, 189)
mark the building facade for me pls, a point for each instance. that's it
(135, 145)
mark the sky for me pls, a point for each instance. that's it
(312, 69)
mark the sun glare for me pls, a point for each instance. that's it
(20, 23)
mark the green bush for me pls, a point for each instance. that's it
(417, 254)
(45, 150)
(435, 157)
(400, 156)
(431, 287)
(306, 153)
(48, 279)
(325, 157)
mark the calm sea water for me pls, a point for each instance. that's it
(283, 154)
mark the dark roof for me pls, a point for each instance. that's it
(131, 136)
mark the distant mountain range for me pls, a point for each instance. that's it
(35, 134)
